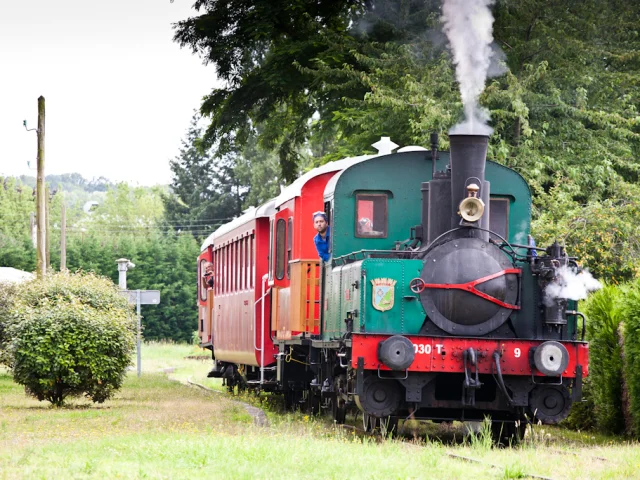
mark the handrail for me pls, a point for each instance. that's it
(265, 277)
(365, 253)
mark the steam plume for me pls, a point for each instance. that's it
(469, 26)
(571, 285)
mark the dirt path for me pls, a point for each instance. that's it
(259, 417)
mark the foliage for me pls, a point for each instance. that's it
(605, 366)
(71, 335)
(197, 201)
(257, 48)
(602, 234)
(581, 416)
(631, 315)
(128, 222)
(7, 299)
(207, 191)
(164, 261)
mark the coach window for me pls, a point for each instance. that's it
(371, 215)
(253, 260)
(270, 256)
(216, 266)
(226, 269)
(281, 231)
(232, 268)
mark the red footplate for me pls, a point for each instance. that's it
(445, 354)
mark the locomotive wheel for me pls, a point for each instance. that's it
(550, 403)
(380, 398)
(508, 433)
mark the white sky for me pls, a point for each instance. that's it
(119, 92)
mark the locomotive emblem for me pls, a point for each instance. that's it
(383, 293)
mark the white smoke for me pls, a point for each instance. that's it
(571, 285)
(469, 26)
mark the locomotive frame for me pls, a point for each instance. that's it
(383, 327)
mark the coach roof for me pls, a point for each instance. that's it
(295, 189)
(265, 210)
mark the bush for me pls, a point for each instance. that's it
(72, 335)
(605, 365)
(7, 296)
(631, 312)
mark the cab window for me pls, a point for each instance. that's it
(371, 215)
(499, 219)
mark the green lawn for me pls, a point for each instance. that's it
(158, 427)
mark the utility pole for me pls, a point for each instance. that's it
(63, 238)
(40, 197)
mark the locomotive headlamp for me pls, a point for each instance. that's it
(471, 208)
(551, 358)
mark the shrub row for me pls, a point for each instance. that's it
(613, 387)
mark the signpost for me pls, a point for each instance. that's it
(141, 297)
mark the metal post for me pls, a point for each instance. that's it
(139, 331)
(123, 266)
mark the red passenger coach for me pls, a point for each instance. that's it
(239, 256)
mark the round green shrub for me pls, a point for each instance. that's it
(72, 335)
(7, 297)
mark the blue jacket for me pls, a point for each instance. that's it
(322, 245)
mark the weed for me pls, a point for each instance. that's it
(482, 439)
(514, 471)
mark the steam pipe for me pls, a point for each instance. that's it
(468, 161)
(434, 153)
(496, 359)
(584, 320)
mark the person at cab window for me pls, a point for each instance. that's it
(323, 236)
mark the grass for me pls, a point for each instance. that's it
(157, 427)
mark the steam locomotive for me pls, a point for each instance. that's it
(435, 303)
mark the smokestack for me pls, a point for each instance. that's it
(468, 160)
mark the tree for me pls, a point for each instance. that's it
(258, 169)
(204, 190)
(258, 48)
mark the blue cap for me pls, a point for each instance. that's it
(320, 213)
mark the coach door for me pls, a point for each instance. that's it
(205, 273)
